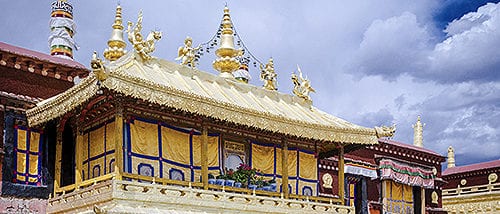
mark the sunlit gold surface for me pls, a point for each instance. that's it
(186, 54)
(98, 67)
(226, 61)
(302, 86)
(169, 84)
(142, 47)
(116, 44)
(268, 75)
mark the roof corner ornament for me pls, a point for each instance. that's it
(187, 53)
(268, 75)
(451, 157)
(142, 47)
(385, 131)
(302, 86)
(98, 67)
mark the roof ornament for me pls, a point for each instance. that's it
(268, 75)
(242, 73)
(418, 129)
(187, 54)
(451, 157)
(302, 86)
(98, 67)
(62, 30)
(142, 47)
(116, 44)
(227, 54)
(385, 131)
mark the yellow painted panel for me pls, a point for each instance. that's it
(97, 162)
(34, 141)
(175, 145)
(33, 164)
(213, 151)
(278, 161)
(292, 163)
(110, 136)
(137, 160)
(21, 177)
(167, 167)
(144, 138)
(263, 158)
(21, 163)
(32, 180)
(97, 142)
(21, 139)
(85, 147)
(308, 166)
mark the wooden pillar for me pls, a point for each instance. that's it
(79, 161)
(204, 156)
(284, 169)
(57, 176)
(341, 174)
(118, 145)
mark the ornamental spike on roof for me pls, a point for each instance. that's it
(116, 44)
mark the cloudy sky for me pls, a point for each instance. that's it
(371, 62)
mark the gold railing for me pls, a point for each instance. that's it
(164, 181)
(472, 189)
(75, 187)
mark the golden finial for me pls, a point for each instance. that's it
(226, 61)
(418, 133)
(116, 44)
(451, 157)
(142, 47)
(268, 75)
(302, 86)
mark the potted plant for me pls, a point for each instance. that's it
(221, 179)
(211, 179)
(229, 178)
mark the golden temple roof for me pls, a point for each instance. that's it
(169, 84)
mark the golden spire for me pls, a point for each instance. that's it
(418, 132)
(226, 61)
(116, 44)
(451, 157)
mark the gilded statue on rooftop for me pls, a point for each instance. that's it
(268, 75)
(142, 47)
(98, 67)
(302, 86)
(187, 53)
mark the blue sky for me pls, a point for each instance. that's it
(371, 62)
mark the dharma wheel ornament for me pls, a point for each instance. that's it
(142, 47)
(227, 62)
(302, 86)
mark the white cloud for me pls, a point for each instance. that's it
(401, 45)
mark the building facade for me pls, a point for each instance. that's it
(28, 77)
(471, 188)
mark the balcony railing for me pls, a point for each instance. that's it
(72, 197)
(472, 189)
